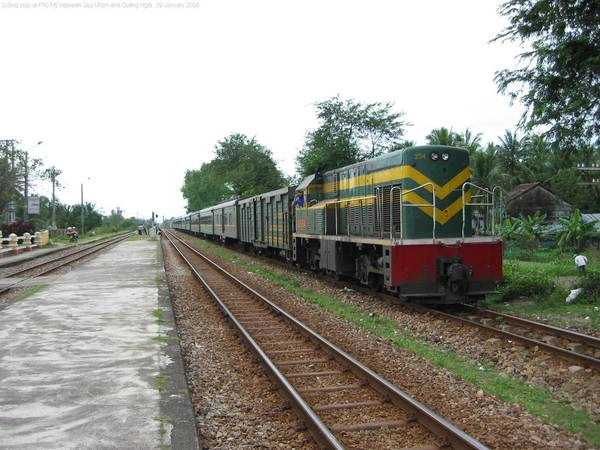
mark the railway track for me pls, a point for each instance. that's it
(578, 348)
(20, 276)
(575, 347)
(339, 400)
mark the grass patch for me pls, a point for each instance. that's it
(86, 237)
(552, 310)
(537, 401)
(161, 339)
(157, 280)
(160, 382)
(28, 293)
(158, 314)
(138, 237)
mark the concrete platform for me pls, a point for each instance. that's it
(92, 360)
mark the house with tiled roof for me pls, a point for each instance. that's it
(529, 198)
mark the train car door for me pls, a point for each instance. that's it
(277, 225)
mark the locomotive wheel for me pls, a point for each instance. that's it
(376, 281)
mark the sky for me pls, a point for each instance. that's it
(128, 95)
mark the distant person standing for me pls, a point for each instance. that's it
(580, 261)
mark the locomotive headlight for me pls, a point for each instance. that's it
(435, 156)
(445, 156)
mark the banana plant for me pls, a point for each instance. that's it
(575, 232)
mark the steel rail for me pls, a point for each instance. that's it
(317, 428)
(563, 353)
(586, 339)
(434, 423)
(79, 254)
(58, 258)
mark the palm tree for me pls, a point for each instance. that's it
(444, 136)
(483, 167)
(470, 142)
(510, 155)
(537, 160)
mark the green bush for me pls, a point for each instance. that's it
(591, 287)
(519, 283)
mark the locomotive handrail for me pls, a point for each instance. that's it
(488, 194)
(425, 205)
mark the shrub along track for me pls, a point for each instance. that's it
(493, 422)
(349, 404)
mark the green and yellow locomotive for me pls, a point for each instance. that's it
(402, 222)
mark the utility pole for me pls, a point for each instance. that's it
(26, 189)
(82, 231)
(53, 204)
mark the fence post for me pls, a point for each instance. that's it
(27, 241)
(12, 243)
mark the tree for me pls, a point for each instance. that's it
(510, 155)
(9, 158)
(246, 166)
(204, 187)
(115, 219)
(484, 167)
(444, 136)
(349, 132)
(7, 182)
(242, 167)
(52, 174)
(559, 79)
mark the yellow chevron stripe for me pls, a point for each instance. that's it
(398, 173)
(441, 216)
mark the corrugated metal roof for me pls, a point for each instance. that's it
(591, 218)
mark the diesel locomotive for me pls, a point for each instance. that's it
(409, 222)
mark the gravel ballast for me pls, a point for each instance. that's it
(496, 423)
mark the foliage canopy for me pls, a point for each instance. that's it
(559, 80)
(349, 132)
(241, 167)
